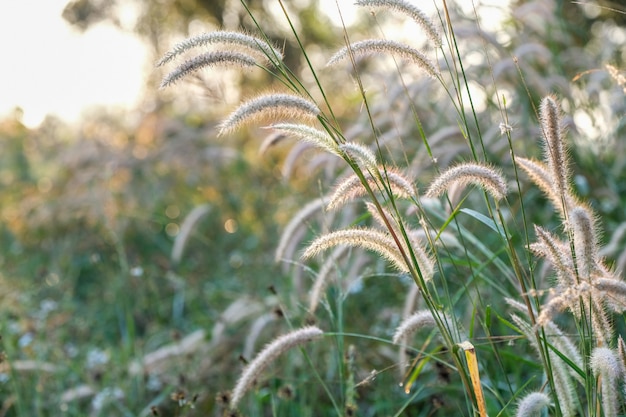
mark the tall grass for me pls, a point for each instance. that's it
(455, 226)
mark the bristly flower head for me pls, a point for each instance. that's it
(375, 46)
(272, 105)
(410, 10)
(606, 364)
(555, 149)
(352, 187)
(309, 134)
(370, 239)
(268, 355)
(251, 43)
(532, 405)
(483, 176)
(413, 323)
(208, 59)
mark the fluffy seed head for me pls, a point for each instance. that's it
(375, 46)
(540, 174)
(369, 239)
(361, 154)
(209, 59)
(606, 364)
(554, 148)
(412, 324)
(309, 134)
(251, 43)
(585, 241)
(270, 105)
(483, 176)
(410, 10)
(351, 188)
(532, 405)
(272, 351)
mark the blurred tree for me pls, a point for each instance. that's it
(159, 20)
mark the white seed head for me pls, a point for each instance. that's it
(251, 43)
(270, 105)
(268, 355)
(481, 175)
(410, 10)
(376, 46)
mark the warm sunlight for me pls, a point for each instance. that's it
(53, 68)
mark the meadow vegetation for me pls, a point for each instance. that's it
(435, 226)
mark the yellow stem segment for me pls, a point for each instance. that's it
(472, 365)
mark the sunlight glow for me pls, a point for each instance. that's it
(52, 68)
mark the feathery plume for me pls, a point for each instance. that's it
(483, 176)
(563, 385)
(361, 154)
(252, 43)
(375, 46)
(585, 241)
(272, 105)
(555, 151)
(425, 262)
(370, 239)
(540, 174)
(557, 253)
(185, 230)
(297, 222)
(410, 10)
(351, 188)
(532, 405)
(209, 59)
(412, 324)
(619, 78)
(309, 134)
(606, 365)
(614, 291)
(272, 351)
(322, 277)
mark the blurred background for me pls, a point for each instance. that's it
(100, 169)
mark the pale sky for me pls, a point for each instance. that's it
(49, 67)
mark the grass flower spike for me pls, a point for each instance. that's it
(208, 59)
(268, 355)
(532, 405)
(270, 105)
(484, 176)
(251, 43)
(410, 10)
(376, 46)
(309, 134)
(412, 324)
(555, 150)
(606, 365)
(351, 188)
(379, 242)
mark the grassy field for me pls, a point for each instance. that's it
(425, 221)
